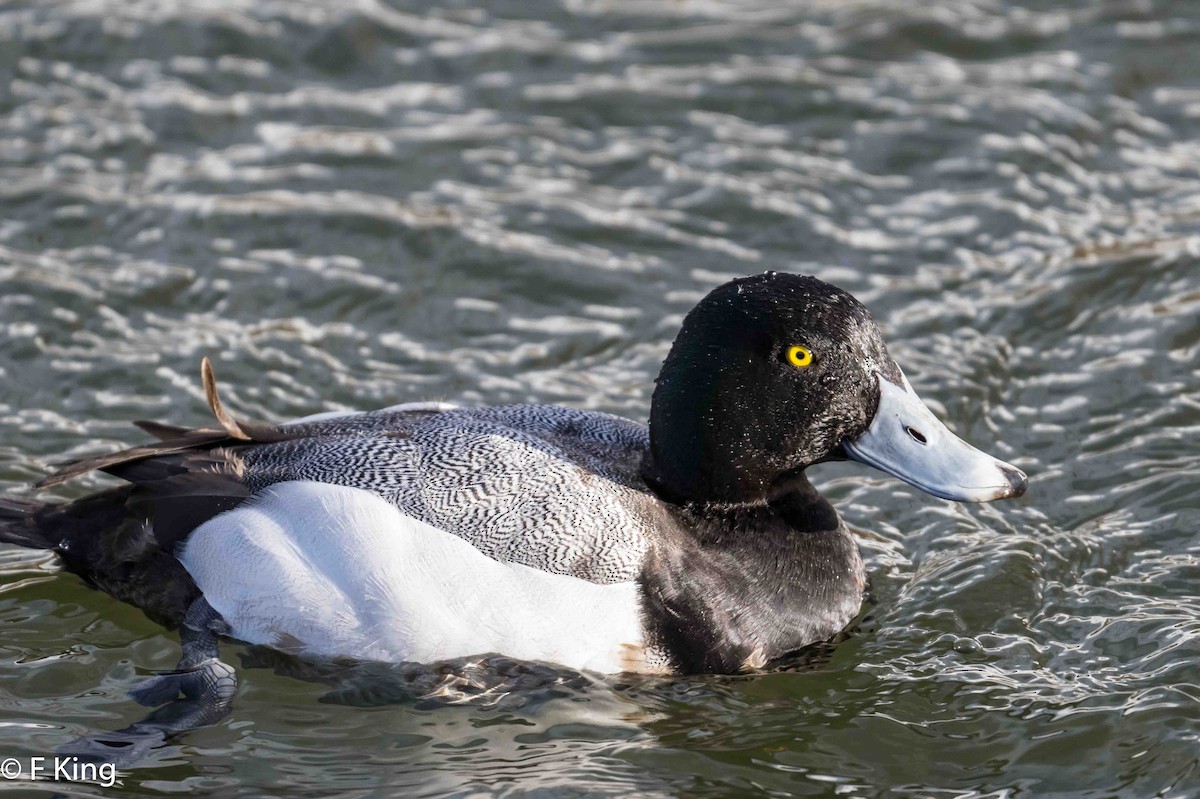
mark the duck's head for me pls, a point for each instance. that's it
(773, 373)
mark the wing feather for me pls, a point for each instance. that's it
(173, 439)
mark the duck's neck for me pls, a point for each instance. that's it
(688, 474)
(733, 586)
(701, 447)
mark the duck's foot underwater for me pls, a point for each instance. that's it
(198, 692)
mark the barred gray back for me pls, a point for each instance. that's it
(545, 486)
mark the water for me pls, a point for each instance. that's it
(354, 205)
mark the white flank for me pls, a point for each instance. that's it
(331, 571)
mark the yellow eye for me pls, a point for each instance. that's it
(799, 356)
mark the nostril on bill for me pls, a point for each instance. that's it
(916, 434)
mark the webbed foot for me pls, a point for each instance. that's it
(197, 693)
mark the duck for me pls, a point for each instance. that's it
(428, 531)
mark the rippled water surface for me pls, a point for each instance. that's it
(351, 205)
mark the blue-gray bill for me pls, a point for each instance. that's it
(907, 441)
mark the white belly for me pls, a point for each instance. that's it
(330, 571)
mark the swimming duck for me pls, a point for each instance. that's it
(428, 531)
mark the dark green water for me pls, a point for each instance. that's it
(518, 201)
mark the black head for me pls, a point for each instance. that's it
(736, 408)
(773, 373)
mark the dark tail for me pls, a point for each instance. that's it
(18, 524)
